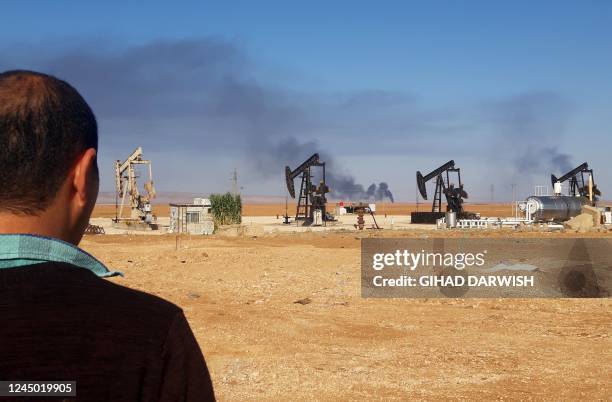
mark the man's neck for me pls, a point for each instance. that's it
(43, 225)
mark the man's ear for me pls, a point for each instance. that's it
(85, 179)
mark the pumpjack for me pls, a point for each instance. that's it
(141, 213)
(454, 195)
(581, 183)
(312, 198)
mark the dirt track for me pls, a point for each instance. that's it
(239, 295)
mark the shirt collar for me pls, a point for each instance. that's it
(18, 250)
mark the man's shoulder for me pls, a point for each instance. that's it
(124, 297)
(66, 284)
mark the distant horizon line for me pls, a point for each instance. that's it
(164, 197)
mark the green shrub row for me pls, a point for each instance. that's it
(226, 208)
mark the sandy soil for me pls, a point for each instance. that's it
(240, 295)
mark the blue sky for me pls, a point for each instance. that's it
(383, 88)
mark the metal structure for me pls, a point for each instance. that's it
(443, 186)
(553, 208)
(311, 199)
(454, 195)
(361, 209)
(127, 193)
(581, 182)
(542, 209)
(94, 229)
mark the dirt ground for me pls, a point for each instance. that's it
(108, 211)
(240, 295)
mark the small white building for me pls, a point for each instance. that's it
(195, 218)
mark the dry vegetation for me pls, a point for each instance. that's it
(240, 295)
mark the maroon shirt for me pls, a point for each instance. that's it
(63, 323)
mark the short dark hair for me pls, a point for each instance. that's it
(45, 124)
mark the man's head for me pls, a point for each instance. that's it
(48, 147)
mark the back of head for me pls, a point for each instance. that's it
(45, 125)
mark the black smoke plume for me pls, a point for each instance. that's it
(198, 94)
(529, 128)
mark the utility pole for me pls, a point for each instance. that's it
(492, 193)
(234, 180)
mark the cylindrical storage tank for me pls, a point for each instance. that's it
(554, 208)
(451, 219)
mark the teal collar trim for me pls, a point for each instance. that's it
(17, 250)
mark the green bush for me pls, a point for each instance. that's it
(226, 208)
